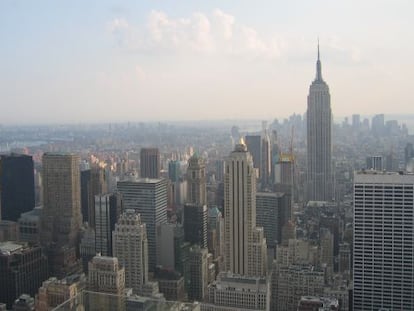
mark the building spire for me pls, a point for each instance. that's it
(318, 67)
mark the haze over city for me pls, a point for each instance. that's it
(103, 61)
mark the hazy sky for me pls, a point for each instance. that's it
(80, 61)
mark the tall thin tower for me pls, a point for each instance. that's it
(245, 246)
(319, 139)
(61, 214)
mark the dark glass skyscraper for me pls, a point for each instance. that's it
(16, 185)
(150, 163)
(319, 139)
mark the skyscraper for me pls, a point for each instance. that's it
(61, 215)
(108, 208)
(196, 181)
(130, 246)
(266, 162)
(23, 268)
(383, 241)
(319, 139)
(240, 212)
(196, 224)
(149, 198)
(150, 163)
(16, 185)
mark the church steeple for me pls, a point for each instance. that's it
(318, 67)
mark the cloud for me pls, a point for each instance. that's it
(215, 33)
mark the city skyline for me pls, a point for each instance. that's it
(154, 61)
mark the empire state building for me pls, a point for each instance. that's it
(319, 140)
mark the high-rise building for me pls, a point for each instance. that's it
(106, 276)
(240, 212)
(319, 140)
(150, 163)
(108, 208)
(356, 121)
(61, 215)
(196, 181)
(270, 210)
(383, 251)
(174, 170)
(149, 198)
(254, 146)
(29, 225)
(196, 224)
(23, 268)
(130, 246)
(98, 185)
(197, 271)
(265, 161)
(16, 185)
(376, 163)
(378, 124)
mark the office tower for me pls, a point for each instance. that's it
(150, 163)
(327, 250)
(195, 224)
(235, 292)
(130, 246)
(174, 170)
(240, 212)
(344, 258)
(319, 140)
(356, 121)
(196, 181)
(106, 276)
(61, 214)
(87, 248)
(219, 166)
(108, 208)
(408, 153)
(215, 232)
(265, 161)
(149, 198)
(23, 268)
(270, 208)
(254, 146)
(383, 241)
(85, 184)
(55, 292)
(274, 154)
(378, 124)
(197, 271)
(98, 185)
(16, 185)
(172, 251)
(29, 225)
(376, 163)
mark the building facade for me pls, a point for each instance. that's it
(319, 140)
(23, 268)
(16, 185)
(383, 252)
(130, 246)
(150, 163)
(240, 212)
(149, 198)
